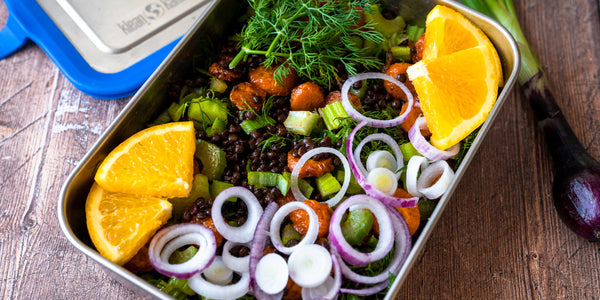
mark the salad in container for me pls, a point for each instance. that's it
(302, 150)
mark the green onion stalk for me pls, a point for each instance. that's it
(576, 186)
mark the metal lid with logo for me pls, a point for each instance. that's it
(106, 48)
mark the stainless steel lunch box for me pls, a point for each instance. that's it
(152, 99)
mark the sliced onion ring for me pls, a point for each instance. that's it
(238, 264)
(330, 288)
(171, 238)
(424, 147)
(415, 165)
(214, 291)
(386, 231)
(402, 246)
(244, 233)
(362, 181)
(296, 172)
(275, 227)
(427, 183)
(386, 139)
(370, 121)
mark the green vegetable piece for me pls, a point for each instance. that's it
(181, 256)
(200, 189)
(171, 288)
(305, 187)
(259, 122)
(386, 27)
(408, 151)
(263, 179)
(214, 110)
(401, 52)
(289, 233)
(332, 114)
(163, 118)
(426, 208)
(174, 112)
(353, 188)
(217, 127)
(217, 84)
(357, 226)
(284, 182)
(414, 32)
(212, 158)
(327, 185)
(217, 187)
(301, 122)
(360, 93)
(182, 285)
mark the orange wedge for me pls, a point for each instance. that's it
(457, 92)
(121, 224)
(157, 161)
(448, 31)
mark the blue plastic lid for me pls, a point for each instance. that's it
(29, 21)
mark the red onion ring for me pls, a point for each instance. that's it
(244, 233)
(386, 231)
(214, 291)
(424, 147)
(402, 246)
(415, 164)
(275, 227)
(296, 172)
(362, 180)
(171, 238)
(370, 121)
(258, 245)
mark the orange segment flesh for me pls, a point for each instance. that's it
(121, 224)
(157, 161)
(457, 92)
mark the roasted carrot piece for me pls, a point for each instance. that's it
(398, 71)
(222, 71)
(307, 96)
(336, 96)
(416, 51)
(300, 218)
(208, 222)
(412, 117)
(312, 168)
(247, 94)
(265, 79)
(412, 215)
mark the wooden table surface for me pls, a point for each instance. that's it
(499, 238)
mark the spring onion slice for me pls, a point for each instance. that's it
(310, 265)
(215, 291)
(384, 180)
(435, 179)
(272, 273)
(238, 264)
(424, 147)
(244, 233)
(415, 165)
(218, 272)
(275, 227)
(296, 172)
(386, 231)
(370, 121)
(329, 289)
(388, 140)
(258, 245)
(171, 238)
(382, 159)
(362, 181)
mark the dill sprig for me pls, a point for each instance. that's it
(309, 36)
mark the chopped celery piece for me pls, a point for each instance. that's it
(172, 288)
(327, 185)
(426, 208)
(212, 158)
(217, 84)
(259, 122)
(353, 187)
(332, 114)
(414, 32)
(174, 111)
(408, 151)
(200, 189)
(401, 52)
(305, 187)
(357, 226)
(386, 27)
(269, 179)
(217, 187)
(217, 127)
(301, 122)
(163, 118)
(207, 111)
(362, 91)
(289, 233)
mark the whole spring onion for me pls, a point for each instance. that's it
(576, 187)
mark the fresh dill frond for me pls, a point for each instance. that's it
(276, 140)
(309, 36)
